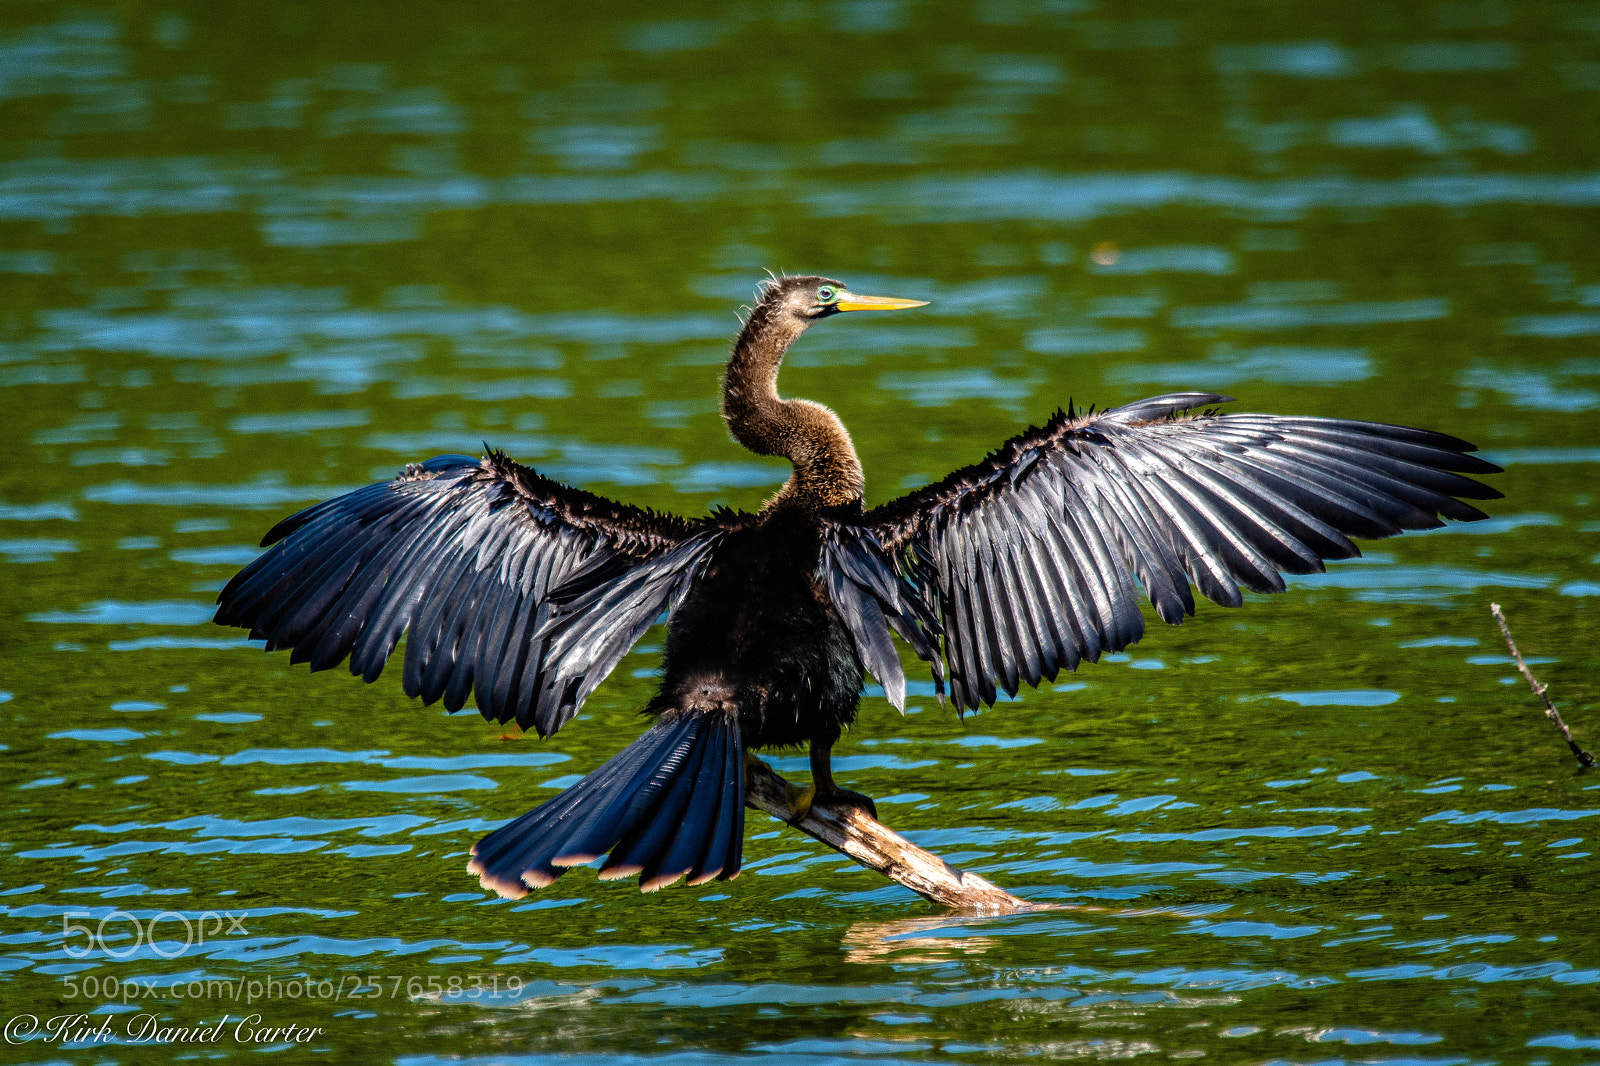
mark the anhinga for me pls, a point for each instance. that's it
(526, 593)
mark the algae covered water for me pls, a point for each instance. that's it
(252, 256)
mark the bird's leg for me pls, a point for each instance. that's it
(825, 790)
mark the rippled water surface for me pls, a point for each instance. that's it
(254, 254)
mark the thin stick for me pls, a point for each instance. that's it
(1539, 688)
(878, 847)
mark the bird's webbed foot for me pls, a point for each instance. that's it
(801, 800)
(844, 797)
(823, 790)
(804, 799)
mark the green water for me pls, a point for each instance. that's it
(254, 254)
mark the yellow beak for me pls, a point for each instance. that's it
(849, 301)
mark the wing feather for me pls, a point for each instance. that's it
(874, 600)
(1026, 562)
(979, 630)
(467, 554)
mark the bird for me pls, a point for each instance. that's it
(525, 593)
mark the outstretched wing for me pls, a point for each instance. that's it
(1029, 558)
(518, 589)
(873, 599)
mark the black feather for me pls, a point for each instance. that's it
(720, 856)
(697, 822)
(463, 552)
(1028, 557)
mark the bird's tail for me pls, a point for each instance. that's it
(668, 805)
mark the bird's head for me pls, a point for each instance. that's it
(807, 298)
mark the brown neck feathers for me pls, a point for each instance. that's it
(826, 470)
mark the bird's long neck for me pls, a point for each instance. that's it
(826, 470)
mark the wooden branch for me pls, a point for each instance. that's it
(1585, 759)
(878, 847)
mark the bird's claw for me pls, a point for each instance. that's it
(803, 800)
(844, 797)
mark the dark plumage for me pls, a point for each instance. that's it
(526, 593)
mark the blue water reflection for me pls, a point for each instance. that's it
(256, 256)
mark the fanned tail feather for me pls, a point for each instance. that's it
(668, 806)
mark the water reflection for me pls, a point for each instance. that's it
(243, 273)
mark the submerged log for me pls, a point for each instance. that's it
(877, 847)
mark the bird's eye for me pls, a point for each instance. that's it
(827, 294)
